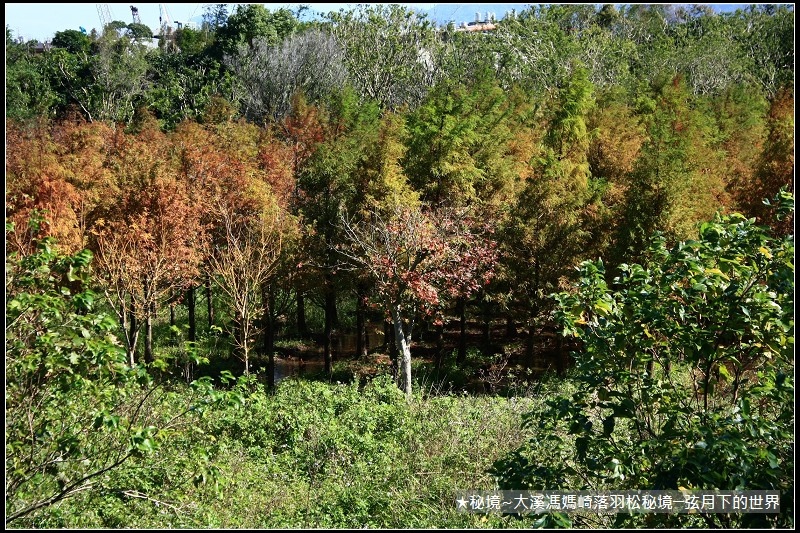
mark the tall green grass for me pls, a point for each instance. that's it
(315, 455)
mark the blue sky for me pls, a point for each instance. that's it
(42, 21)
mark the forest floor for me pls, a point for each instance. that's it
(503, 364)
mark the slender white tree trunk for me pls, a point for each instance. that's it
(245, 332)
(404, 350)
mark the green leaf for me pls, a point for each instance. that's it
(83, 258)
(625, 409)
(581, 446)
(608, 426)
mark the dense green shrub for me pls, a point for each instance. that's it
(315, 454)
(76, 413)
(685, 380)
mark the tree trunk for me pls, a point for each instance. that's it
(302, 325)
(439, 346)
(487, 324)
(462, 335)
(334, 308)
(330, 309)
(245, 345)
(187, 371)
(127, 332)
(133, 327)
(361, 324)
(511, 328)
(391, 347)
(133, 336)
(123, 317)
(534, 314)
(172, 335)
(388, 339)
(148, 336)
(529, 340)
(404, 349)
(209, 302)
(190, 305)
(269, 333)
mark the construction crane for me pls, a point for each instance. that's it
(163, 18)
(104, 14)
(135, 13)
(167, 34)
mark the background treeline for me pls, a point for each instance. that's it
(569, 132)
(265, 179)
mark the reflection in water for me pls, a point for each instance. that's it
(342, 345)
(295, 367)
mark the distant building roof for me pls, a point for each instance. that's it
(40, 48)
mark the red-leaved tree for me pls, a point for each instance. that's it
(418, 259)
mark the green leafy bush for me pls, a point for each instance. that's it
(685, 379)
(75, 411)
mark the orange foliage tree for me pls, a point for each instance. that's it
(37, 185)
(241, 179)
(775, 167)
(150, 243)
